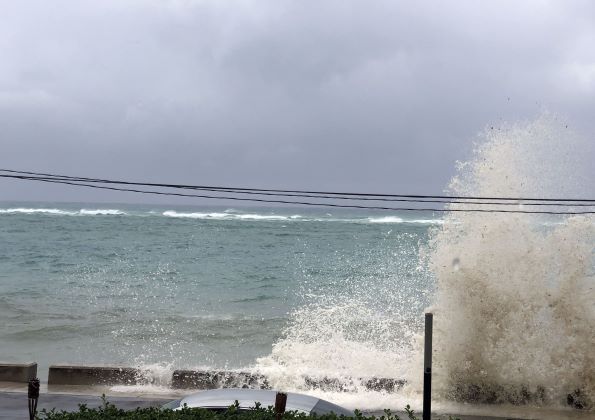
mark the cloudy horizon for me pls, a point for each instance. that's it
(350, 96)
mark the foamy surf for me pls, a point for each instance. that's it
(386, 219)
(102, 212)
(21, 210)
(153, 378)
(60, 212)
(236, 215)
(225, 216)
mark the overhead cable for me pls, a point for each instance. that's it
(74, 182)
(316, 193)
(351, 198)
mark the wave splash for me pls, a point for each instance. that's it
(514, 313)
(335, 351)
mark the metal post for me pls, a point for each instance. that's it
(280, 403)
(33, 396)
(427, 404)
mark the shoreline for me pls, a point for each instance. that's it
(70, 385)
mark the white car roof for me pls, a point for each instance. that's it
(223, 398)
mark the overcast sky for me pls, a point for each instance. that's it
(378, 96)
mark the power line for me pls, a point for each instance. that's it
(74, 182)
(317, 193)
(351, 198)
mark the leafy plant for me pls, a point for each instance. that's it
(108, 411)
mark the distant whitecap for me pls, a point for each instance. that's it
(102, 212)
(223, 216)
(35, 211)
(385, 219)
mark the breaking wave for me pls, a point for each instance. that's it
(107, 212)
(513, 305)
(58, 212)
(227, 215)
(33, 211)
(386, 219)
(514, 309)
(235, 215)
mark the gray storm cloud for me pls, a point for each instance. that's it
(345, 95)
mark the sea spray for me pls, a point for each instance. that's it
(514, 316)
(514, 311)
(357, 327)
(339, 347)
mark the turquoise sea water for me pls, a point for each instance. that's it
(195, 286)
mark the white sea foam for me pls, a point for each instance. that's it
(225, 216)
(153, 378)
(235, 215)
(102, 212)
(345, 340)
(229, 214)
(21, 210)
(385, 219)
(261, 217)
(58, 212)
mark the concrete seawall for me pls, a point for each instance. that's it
(194, 379)
(73, 375)
(93, 375)
(106, 375)
(101, 375)
(208, 379)
(17, 372)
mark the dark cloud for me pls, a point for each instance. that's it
(347, 95)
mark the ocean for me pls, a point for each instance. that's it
(188, 287)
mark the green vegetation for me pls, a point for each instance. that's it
(108, 411)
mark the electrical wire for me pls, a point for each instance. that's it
(316, 193)
(316, 204)
(73, 179)
(230, 190)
